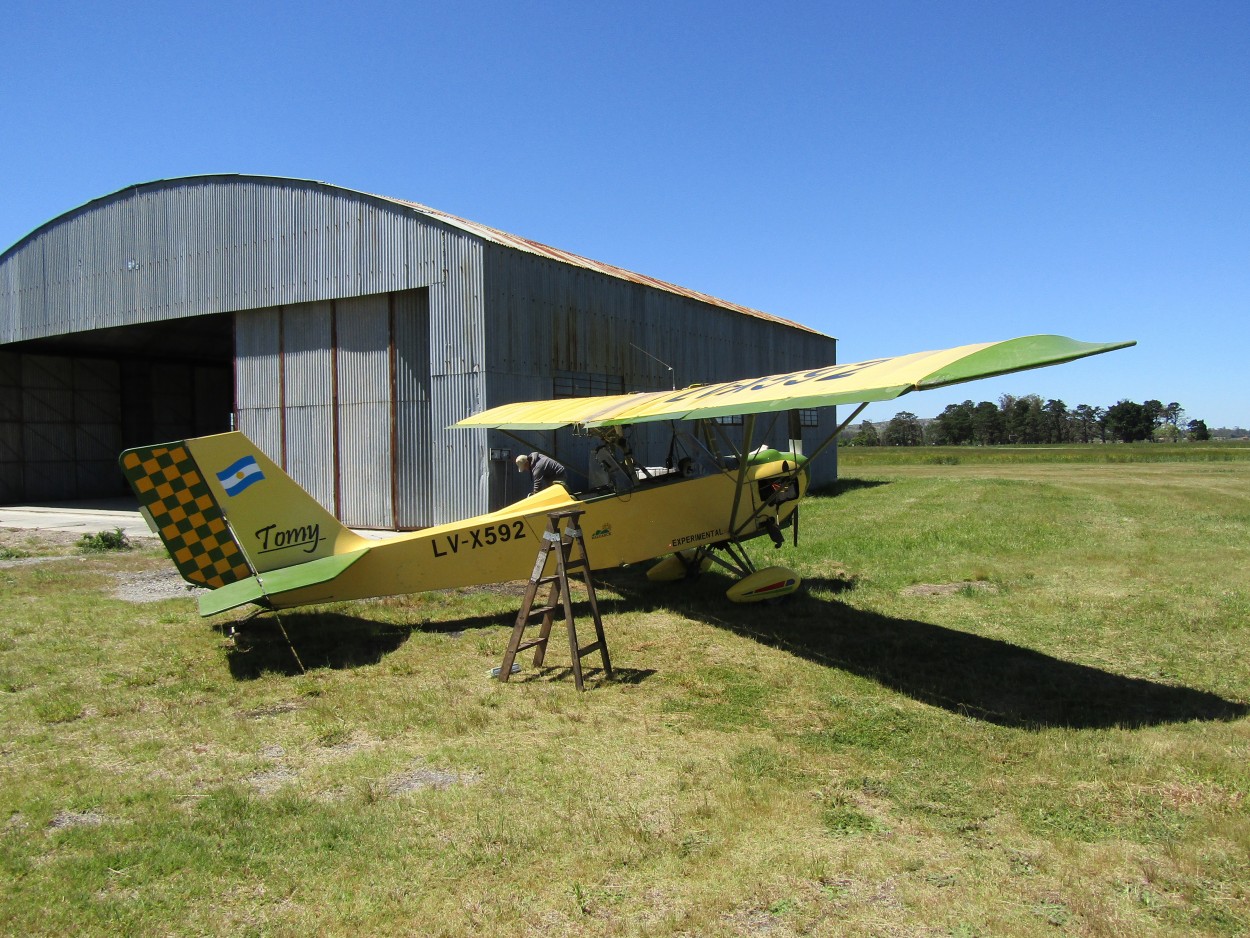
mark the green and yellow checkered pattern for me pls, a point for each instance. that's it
(170, 486)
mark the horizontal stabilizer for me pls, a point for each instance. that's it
(256, 588)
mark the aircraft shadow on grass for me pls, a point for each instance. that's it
(259, 644)
(984, 678)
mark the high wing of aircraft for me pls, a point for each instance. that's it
(236, 523)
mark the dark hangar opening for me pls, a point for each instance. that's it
(69, 404)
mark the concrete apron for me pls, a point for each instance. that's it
(78, 517)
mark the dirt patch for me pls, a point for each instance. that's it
(421, 777)
(949, 589)
(154, 587)
(67, 819)
(271, 710)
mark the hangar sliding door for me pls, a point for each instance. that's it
(337, 393)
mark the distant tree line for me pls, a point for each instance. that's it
(1028, 419)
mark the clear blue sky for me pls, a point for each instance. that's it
(902, 175)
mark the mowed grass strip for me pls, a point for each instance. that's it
(1011, 701)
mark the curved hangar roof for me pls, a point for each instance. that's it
(207, 244)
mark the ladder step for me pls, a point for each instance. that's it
(532, 643)
(583, 652)
(544, 580)
(542, 610)
(574, 564)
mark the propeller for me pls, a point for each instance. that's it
(794, 521)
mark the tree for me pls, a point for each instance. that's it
(1198, 430)
(867, 435)
(1024, 420)
(1130, 422)
(1153, 412)
(904, 430)
(1056, 425)
(1086, 422)
(987, 424)
(954, 424)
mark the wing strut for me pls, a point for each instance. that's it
(748, 430)
(834, 435)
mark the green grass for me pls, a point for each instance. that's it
(1011, 701)
(1114, 453)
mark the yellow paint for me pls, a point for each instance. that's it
(279, 525)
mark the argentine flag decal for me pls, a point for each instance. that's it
(238, 476)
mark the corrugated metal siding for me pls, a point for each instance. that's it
(257, 348)
(457, 351)
(364, 411)
(334, 362)
(263, 426)
(310, 450)
(458, 458)
(211, 244)
(557, 317)
(308, 391)
(279, 251)
(413, 431)
(258, 379)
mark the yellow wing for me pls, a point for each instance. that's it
(881, 379)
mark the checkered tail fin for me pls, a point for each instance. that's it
(181, 507)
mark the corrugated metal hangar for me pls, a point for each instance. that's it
(343, 332)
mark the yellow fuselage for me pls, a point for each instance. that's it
(654, 519)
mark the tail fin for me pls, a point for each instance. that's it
(226, 512)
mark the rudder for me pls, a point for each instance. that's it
(177, 500)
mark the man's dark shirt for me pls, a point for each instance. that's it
(545, 471)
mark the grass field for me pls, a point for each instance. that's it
(1013, 700)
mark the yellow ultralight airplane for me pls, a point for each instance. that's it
(235, 523)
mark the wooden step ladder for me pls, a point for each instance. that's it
(561, 544)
